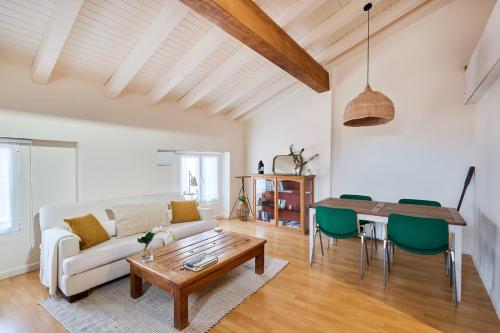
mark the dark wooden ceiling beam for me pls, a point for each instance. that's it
(245, 21)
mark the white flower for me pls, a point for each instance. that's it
(155, 230)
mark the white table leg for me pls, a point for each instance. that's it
(312, 227)
(457, 246)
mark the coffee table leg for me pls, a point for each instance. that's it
(259, 261)
(135, 285)
(180, 309)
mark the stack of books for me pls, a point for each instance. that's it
(200, 262)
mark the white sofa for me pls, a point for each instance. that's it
(73, 271)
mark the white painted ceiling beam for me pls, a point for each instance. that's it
(299, 10)
(377, 23)
(216, 77)
(59, 27)
(164, 23)
(208, 43)
(241, 88)
(258, 99)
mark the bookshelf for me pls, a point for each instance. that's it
(283, 200)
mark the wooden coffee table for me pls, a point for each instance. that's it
(166, 270)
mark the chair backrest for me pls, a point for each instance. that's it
(420, 202)
(336, 221)
(418, 233)
(356, 197)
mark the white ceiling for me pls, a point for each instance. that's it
(105, 31)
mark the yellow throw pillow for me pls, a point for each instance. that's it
(89, 229)
(184, 211)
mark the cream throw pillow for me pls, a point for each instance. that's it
(137, 218)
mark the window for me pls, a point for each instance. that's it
(200, 177)
(10, 188)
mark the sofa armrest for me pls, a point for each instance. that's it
(68, 247)
(206, 213)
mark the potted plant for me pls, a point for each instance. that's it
(243, 210)
(147, 254)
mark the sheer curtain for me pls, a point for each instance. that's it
(210, 178)
(204, 182)
(10, 188)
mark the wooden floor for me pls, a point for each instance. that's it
(329, 297)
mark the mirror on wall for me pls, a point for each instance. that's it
(285, 165)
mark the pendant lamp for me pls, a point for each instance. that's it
(371, 107)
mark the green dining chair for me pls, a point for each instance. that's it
(420, 202)
(373, 229)
(419, 235)
(340, 223)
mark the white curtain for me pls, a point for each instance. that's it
(10, 188)
(204, 182)
(210, 178)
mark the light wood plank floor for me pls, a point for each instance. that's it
(329, 297)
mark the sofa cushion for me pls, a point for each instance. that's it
(89, 229)
(105, 253)
(186, 229)
(184, 211)
(131, 219)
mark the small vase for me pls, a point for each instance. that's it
(147, 255)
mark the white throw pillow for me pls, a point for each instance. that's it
(109, 226)
(132, 219)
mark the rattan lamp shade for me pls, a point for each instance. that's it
(368, 109)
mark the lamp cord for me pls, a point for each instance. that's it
(368, 51)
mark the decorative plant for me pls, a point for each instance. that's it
(298, 159)
(242, 198)
(150, 235)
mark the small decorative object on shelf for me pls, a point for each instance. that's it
(260, 168)
(299, 160)
(147, 254)
(243, 209)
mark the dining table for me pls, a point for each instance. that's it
(378, 212)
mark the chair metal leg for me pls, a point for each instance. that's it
(366, 252)
(321, 243)
(372, 240)
(388, 253)
(361, 268)
(385, 263)
(455, 295)
(375, 234)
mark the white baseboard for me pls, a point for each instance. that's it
(19, 270)
(496, 306)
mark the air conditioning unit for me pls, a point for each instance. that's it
(167, 158)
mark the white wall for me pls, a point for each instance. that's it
(117, 139)
(426, 151)
(301, 118)
(486, 235)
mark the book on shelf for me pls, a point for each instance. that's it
(200, 262)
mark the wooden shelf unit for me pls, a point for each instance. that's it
(283, 200)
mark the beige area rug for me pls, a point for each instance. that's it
(111, 309)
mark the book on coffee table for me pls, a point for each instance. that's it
(200, 262)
